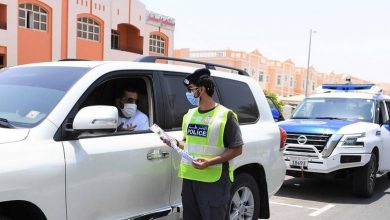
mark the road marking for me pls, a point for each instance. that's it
(321, 210)
(296, 206)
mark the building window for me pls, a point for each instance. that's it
(156, 44)
(3, 16)
(114, 39)
(279, 80)
(32, 17)
(221, 54)
(313, 86)
(2, 61)
(303, 84)
(88, 28)
(261, 77)
(291, 82)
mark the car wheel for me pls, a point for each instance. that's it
(365, 178)
(388, 175)
(244, 202)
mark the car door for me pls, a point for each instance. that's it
(385, 134)
(118, 175)
(175, 106)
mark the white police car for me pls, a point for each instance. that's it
(343, 130)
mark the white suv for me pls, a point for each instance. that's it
(343, 131)
(61, 157)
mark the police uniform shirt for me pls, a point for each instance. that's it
(232, 136)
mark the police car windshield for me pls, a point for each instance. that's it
(28, 94)
(336, 109)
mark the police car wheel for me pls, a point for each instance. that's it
(244, 200)
(365, 178)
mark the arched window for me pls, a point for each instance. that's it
(88, 28)
(33, 17)
(156, 44)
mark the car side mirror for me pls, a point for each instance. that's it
(275, 114)
(96, 118)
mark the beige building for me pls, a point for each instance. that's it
(281, 77)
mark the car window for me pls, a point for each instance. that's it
(271, 103)
(104, 92)
(177, 104)
(383, 117)
(388, 109)
(237, 96)
(28, 94)
(112, 92)
(351, 109)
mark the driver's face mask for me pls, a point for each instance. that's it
(129, 110)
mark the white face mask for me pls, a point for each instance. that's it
(129, 110)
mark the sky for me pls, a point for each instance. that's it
(352, 36)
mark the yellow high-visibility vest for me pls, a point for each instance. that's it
(204, 138)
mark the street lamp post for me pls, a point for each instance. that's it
(308, 63)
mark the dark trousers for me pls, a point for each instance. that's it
(206, 201)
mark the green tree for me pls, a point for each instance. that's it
(274, 98)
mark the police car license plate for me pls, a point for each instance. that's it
(299, 161)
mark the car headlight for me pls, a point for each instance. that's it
(331, 145)
(353, 140)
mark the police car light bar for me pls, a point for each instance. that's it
(363, 88)
(347, 87)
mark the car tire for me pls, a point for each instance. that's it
(365, 178)
(244, 200)
(388, 175)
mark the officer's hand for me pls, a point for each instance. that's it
(200, 163)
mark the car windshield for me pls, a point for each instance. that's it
(336, 108)
(28, 94)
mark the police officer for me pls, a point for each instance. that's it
(212, 135)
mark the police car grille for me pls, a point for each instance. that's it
(317, 140)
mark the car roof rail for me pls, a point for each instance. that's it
(211, 66)
(72, 59)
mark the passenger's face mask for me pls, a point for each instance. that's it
(129, 110)
(191, 98)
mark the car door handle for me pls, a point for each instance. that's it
(157, 154)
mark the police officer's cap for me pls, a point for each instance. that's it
(197, 77)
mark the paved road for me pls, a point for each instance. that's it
(329, 199)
